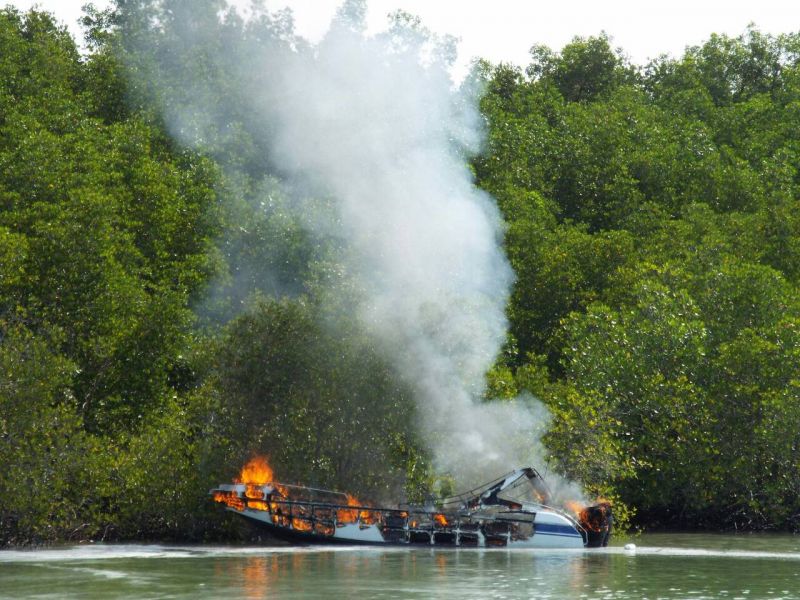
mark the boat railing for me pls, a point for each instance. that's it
(305, 489)
(407, 516)
(342, 514)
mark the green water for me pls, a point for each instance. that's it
(662, 566)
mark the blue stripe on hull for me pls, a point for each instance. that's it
(549, 529)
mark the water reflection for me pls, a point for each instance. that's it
(258, 573)
(416, 573)
(677, 570)
(419, 573)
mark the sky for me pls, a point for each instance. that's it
(504, 30)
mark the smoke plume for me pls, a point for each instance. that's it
(374, 123)
(368, 121)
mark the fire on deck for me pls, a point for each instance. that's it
(508, 512)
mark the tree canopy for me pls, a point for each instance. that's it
(163, 315)
(652, 223)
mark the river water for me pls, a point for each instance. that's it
(662, 566)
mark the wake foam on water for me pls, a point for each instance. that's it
(99, 552)
(702, 552)
(114, 551)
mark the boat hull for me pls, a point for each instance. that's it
(550, 532)
(497, 515)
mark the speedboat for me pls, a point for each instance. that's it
(511, 511)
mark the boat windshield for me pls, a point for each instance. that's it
(526, 490)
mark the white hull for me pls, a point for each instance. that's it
(502, 514)
(485, 520)
(563, 535)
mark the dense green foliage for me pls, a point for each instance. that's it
(654, 223)
(160, 311)
(106, 232)
(162, 315)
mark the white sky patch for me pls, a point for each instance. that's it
(504, 30)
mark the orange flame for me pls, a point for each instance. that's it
(367, 517)
(230, 499)
(575, 507)
(256, 472)
(440, 519)
(280, 520)
(594, 520)
(346, 515)
(301, 524)
(254, 492)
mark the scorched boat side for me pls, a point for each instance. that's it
(508, 512)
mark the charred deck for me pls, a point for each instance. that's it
(491, 518)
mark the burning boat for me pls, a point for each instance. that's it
(511, 511)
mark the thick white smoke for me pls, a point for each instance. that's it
(376, 122)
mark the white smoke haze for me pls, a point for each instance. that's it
(376, 124)
(368, 121)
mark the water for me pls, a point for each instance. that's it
(663, 566)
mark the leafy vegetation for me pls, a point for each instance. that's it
(653, 224)
(162, 315)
